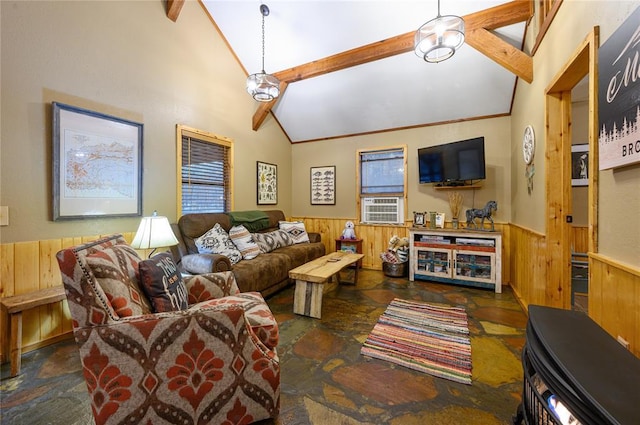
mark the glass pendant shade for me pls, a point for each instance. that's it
(439, 38)
(263, 87)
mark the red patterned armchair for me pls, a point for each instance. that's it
(213, 362)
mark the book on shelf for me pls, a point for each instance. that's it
(473, 241)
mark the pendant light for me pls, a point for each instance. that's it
(438, 39)
(262, 86)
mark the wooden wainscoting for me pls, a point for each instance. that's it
(375, 238)
(614, 299)
(529, 267)
(30, 266)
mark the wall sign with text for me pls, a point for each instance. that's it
(619, 96)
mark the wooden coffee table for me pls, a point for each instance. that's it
(311, 277)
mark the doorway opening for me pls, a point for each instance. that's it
(561, 234)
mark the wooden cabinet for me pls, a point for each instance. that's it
(459, 257)
(350, 245)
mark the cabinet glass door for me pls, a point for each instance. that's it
(433, 261)
(473, 265)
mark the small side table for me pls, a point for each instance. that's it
(351, 245)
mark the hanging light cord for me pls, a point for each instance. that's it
(263, 11)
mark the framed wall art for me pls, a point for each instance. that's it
(267, 175)
(580, 165)
(97, 165)
(418, 219)
(323, 185)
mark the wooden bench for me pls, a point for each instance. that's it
(15, 305)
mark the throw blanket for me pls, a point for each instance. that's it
(253, 220)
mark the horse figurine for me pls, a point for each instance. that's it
(483, 213)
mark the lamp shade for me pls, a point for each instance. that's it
(154, 232)
(438, 39)
(263, 87)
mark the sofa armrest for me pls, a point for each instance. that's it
(208, 286)
(185, 361)
(315, 237)
(205, 263)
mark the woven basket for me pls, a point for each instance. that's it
(395, 269)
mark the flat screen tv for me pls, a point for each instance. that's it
(455, 163)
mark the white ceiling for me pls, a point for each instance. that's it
(396, 92)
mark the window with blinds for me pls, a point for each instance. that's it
(382, 185)
(205, 173)
(382, 171)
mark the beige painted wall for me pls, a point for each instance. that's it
(421, 197)
(619, 206)
(129, 60)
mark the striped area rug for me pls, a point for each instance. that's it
(430, 338)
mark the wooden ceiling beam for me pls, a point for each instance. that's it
(499, 16)
(495, 17)
(364, 54)
(476, 27)
(501, 52)
(265, 107)
(173, 9)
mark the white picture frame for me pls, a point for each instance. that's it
(440, 217)
(323, 185)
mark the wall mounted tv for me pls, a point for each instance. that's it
(452, 164)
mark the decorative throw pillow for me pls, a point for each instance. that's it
(216, 241)
(296, 231)
(161, 281)
(244, 242)
(115, 270)
(272, 240)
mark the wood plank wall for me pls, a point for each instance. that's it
(528, 266)
(614, 288)
(614, 300)
(27, 267)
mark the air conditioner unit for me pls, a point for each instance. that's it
(383, 210)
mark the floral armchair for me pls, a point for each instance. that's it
(213, 362)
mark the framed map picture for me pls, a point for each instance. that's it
(267, 183)
(97, 165)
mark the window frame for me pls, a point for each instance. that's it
(202, 136)
(360, 196)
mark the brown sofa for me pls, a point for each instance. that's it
(267, 273)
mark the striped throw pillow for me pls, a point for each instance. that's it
(242, 239)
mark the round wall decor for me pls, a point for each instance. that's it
(528, 144)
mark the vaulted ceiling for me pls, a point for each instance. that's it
(348, 67)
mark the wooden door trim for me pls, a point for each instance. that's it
(583, 62)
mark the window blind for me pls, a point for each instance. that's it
(382, 172)
(205, 176)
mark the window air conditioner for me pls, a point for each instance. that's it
(383, 210)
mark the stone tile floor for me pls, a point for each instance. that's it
(325, 380)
